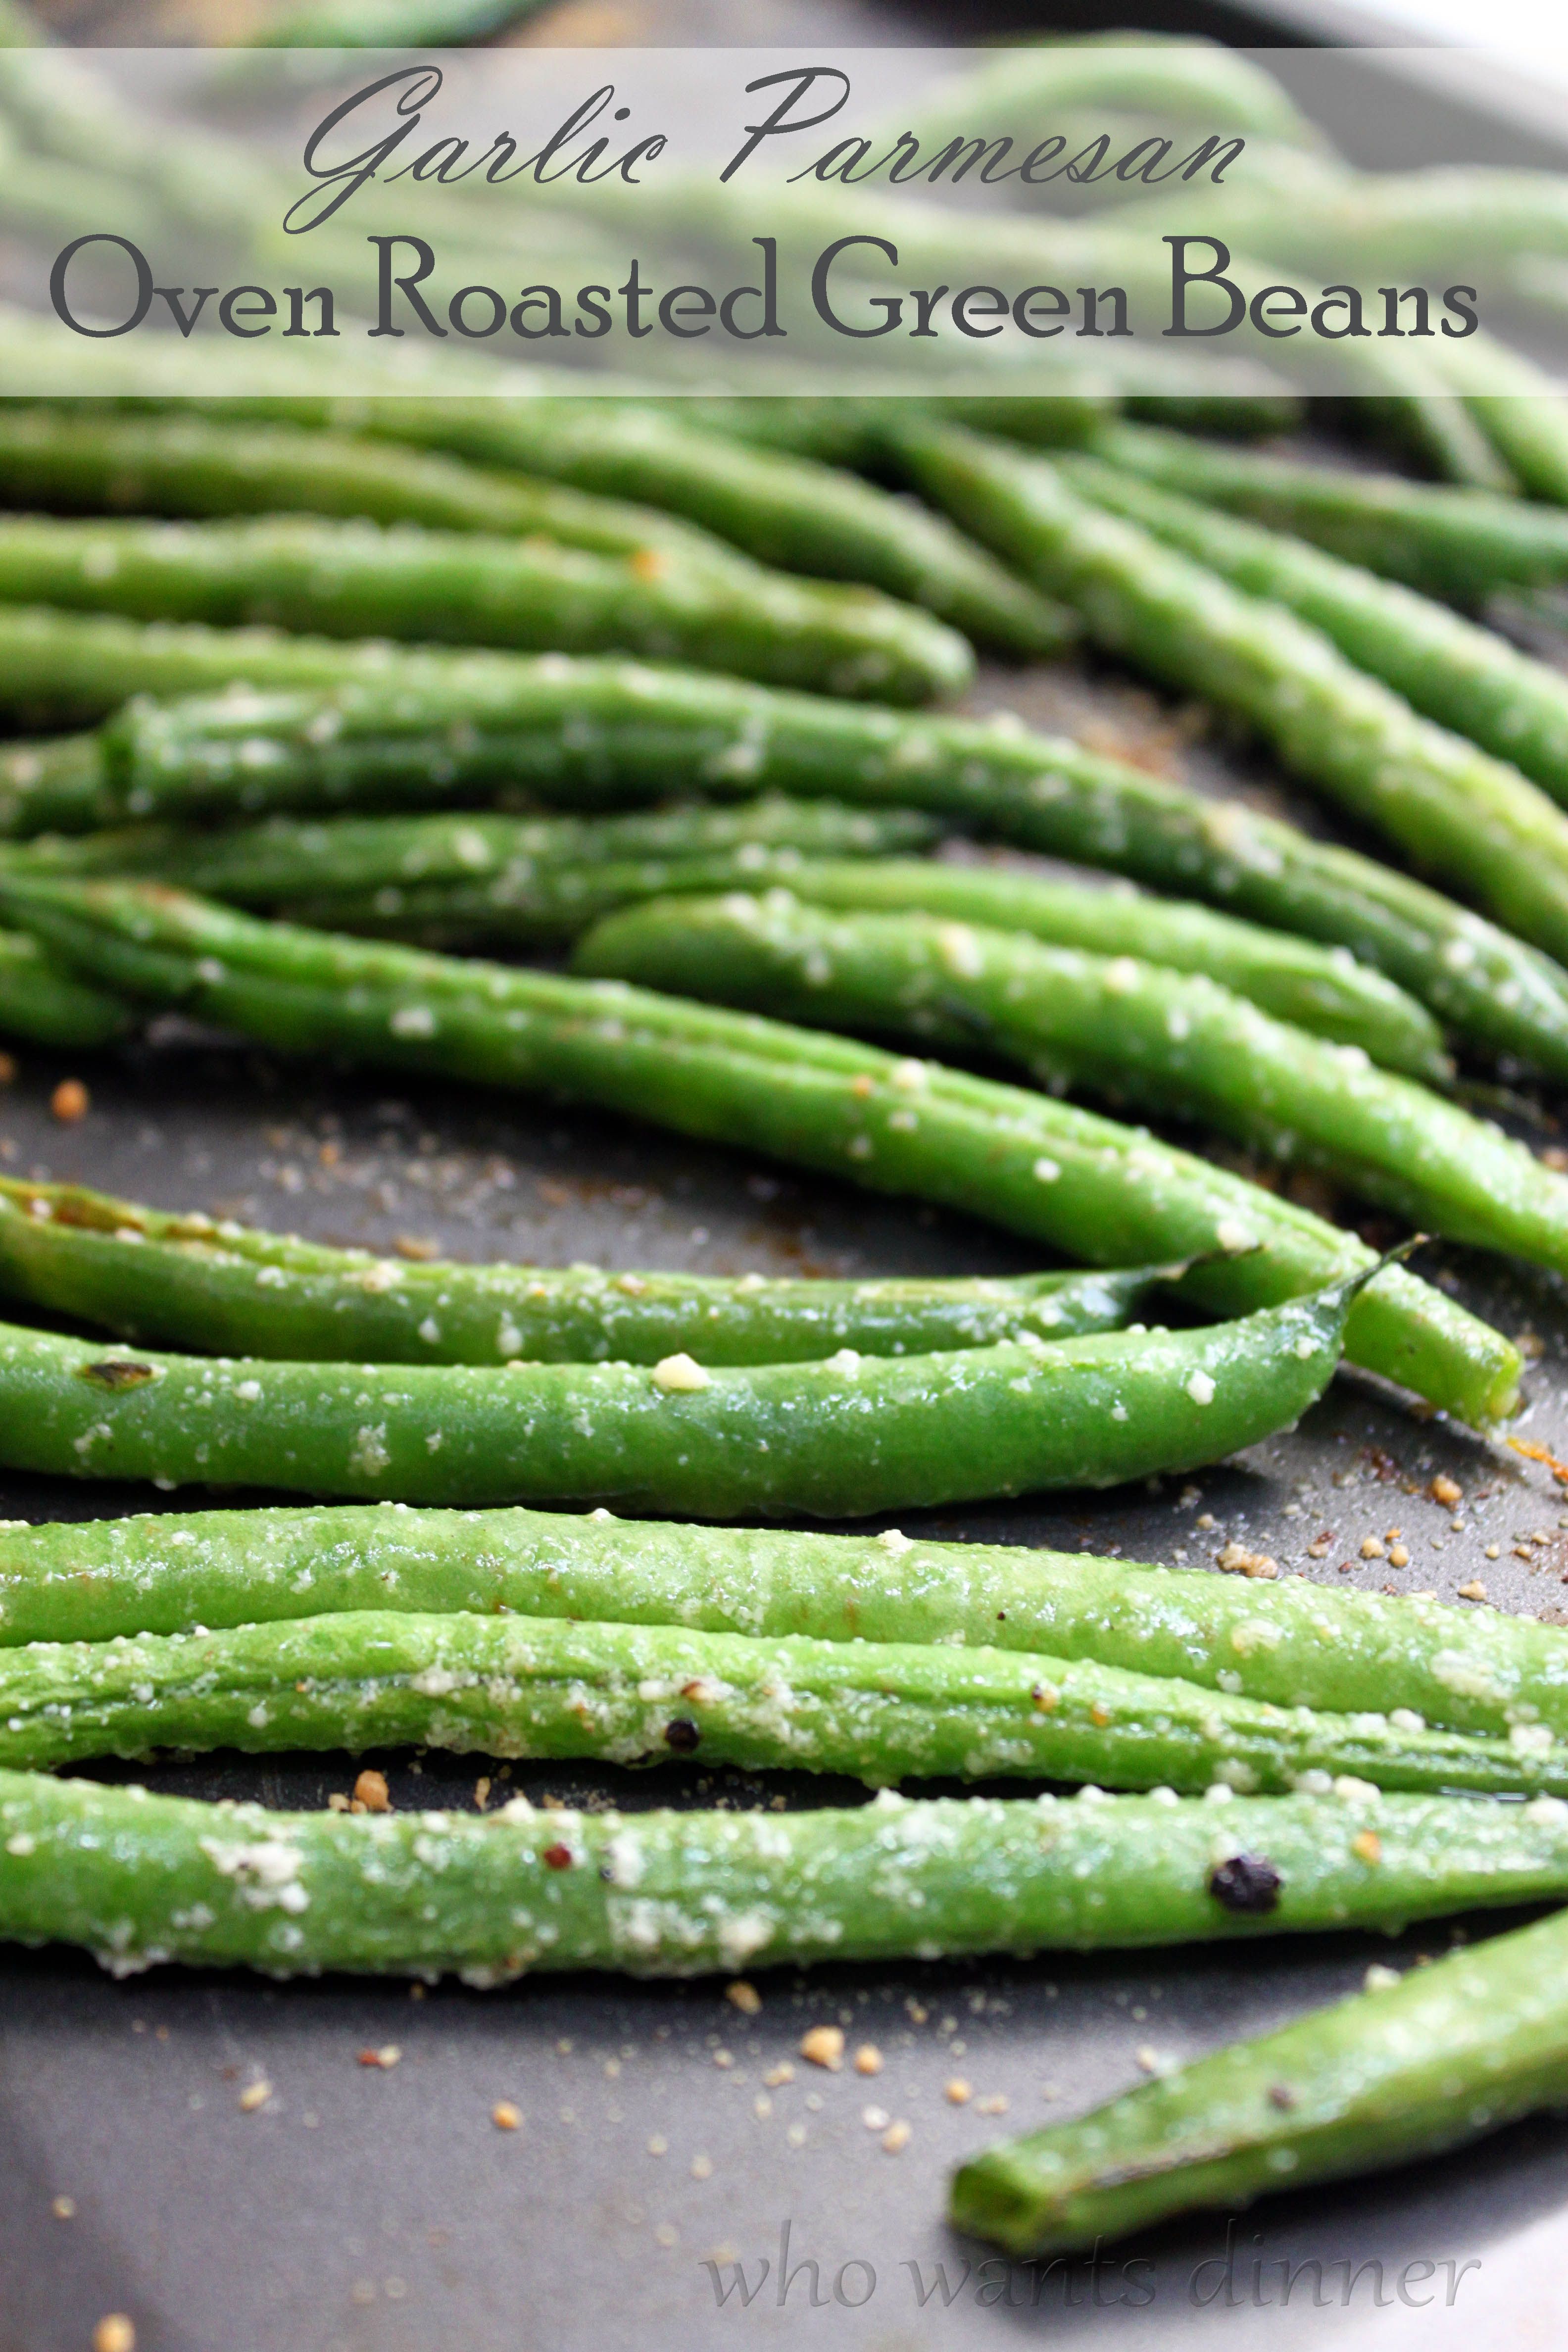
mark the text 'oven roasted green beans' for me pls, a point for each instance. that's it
(1287, 1641)
(1451, 2052)
(592, 732)
(1078, 1184)
(140, 1879)
(1465, 677)
(1155, 1040)
(546, 1688)
(226, 1288)
(355, 579)
(845, 1437)
(1453, 809)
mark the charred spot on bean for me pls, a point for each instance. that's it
(115, 1372)
(682, 1735)
(1246, 1884)
(1281, 2095)
(556, 1857)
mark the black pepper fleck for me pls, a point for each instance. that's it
(116, 1373)
(682, 1735)
(556, 1857)
(1247, 1882)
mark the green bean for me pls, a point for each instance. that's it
(1154, 1039)
(1285, 1641)
(463, 880)
(587, 731)
(355, 579)
(544, 1687)
(41, 1001)
(1323, 990)
(781, 509)
(141, 1879)
(95, 462)
(845, 1437)
(1468, 677)
(1452, 808)
(854, 432)
(476, 881)
(1081, 1184)
(1176, 78)
(1462, 545)
(1442, 2057)
(226, 1288)
(390, 24)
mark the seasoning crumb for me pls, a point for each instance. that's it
(69, 1102)
(1474, 1590)
(744, 1997)
(1236, 1560)
(721, 2058)
(875, 2118)
(1367, 1847)
(371, 1791)
(702, 2168)
(386, 2057)
(1281, 2095)
(337, 1802)
(896, 2138)
(996, 2104)
(1494, 1551)
(256, 2095)
(414, 1246)
(658, 2145)
(867, 2059)
(7, 1069)
(1380, 1980)
(114, 2333)
(782, 2073)
(1446, 1490)
(762, 2107)
(505, 2116)
(481, 1794)
(1398, 1556)
(957, 2092)
(797, 2135)
(668, 2234)
(1149, 2058)
(917, 2013)
(824, 2046)
(1320, 1546)
(64, 2209)
(1372, 1547)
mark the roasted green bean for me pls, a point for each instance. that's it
(1079, 1184)
(190, 1283)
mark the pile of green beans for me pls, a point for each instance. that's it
(1465, 677)
(476, 881)
(1453, 809)
(546, 1688)
(843, 1436)
(1287, 1641)
(1154, 1039)
(780, 508)
(356, 580)
(1462, 545)
(190, 1283)
(1078, 1184)
(1447, 2054)
(140, 1879)
(459, 728)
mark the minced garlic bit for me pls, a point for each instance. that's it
(896, 2138)
(957, 2092)
(867, 2059)
(1446, 1490)
(1398, 1556)
(1474, 1590)
(505, 2116)
(678, 1374)
(371, 1791)
(824, 2046)
(745, 1997)
(1238, 1560)
(1372, 1547)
